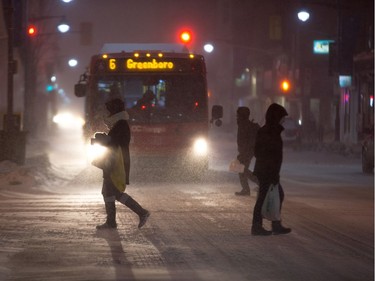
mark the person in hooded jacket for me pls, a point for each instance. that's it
(119, 135)
(246, 133)
(269, 156)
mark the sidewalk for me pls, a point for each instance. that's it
(349, 150)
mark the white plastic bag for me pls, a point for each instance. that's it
(236, 167)
(271, 204)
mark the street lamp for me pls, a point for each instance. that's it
(73, 62)
(62, 27)
(208, 48)
(303, 15)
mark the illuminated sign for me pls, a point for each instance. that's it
(149, 65)
(321, 47)
(345, 81)
(137, 64)
(131, 64)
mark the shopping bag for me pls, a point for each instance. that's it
(271, 204)
(118, 175)
(236, 167)
(102, 162)
(112, 162)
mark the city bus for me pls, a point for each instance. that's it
(164, 88)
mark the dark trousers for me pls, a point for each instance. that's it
(243, 177)
(257, 213)
(111, 194)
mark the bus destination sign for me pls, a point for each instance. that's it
(130, 64)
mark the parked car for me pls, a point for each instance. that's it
(292, 131)
(368, 151)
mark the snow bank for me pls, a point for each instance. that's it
(49, 163)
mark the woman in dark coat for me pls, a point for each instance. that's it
(269, 157)
(119, 136)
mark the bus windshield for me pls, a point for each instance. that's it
(155, 98)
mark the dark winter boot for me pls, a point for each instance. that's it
(277, 228)
(244, 184)
(243, 192)
(136, 208)
(258, 230)
(110, 223)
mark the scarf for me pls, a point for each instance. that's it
(110, 121)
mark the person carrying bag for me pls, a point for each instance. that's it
(269, 156)
(116, 165)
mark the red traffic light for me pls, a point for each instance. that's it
(185, 36)
(31, 30)
(285, 86)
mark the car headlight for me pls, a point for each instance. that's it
(200, 147)
(95, 151)
(67, 120)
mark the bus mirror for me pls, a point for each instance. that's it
(217, 114)
(80, 90)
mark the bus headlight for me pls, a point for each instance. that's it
(200, 147)
(95, 151)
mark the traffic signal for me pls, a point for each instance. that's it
(285, 86)
(32, 30)
(185, 36)
(49, 88)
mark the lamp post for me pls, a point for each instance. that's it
(335, 50)
(9, 124)
(300, 76)
(33, 44)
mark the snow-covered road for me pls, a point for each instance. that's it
(197, 230)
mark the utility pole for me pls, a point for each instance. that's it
(12, 140)
(9, 124)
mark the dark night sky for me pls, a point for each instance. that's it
(131, 21)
